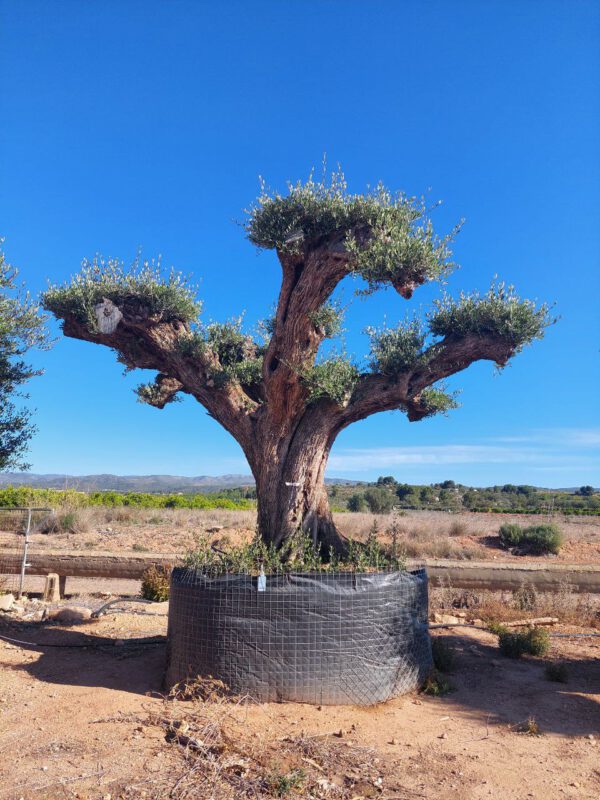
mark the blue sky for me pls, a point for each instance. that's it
(146, 124)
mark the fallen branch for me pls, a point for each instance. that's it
(517, 623)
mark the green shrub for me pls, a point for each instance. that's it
(155, 583)
(280, 784)
(510, 534)
(436, 686)
(541, 539)
(356, 502)
(299, 556)
(555, 671)
(514, 644)
(529, 727)
(534, 540)
(444, 656)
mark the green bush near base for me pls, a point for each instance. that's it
(534, 540)
(514, 644)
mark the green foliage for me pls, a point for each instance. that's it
(524, 500)
(333, 378)
(396, 350)
(21, 328)
(585, 491)
(534, 540)
(557, 671)
(156, 582)
(510, 534)
(327, 319)
(299, 555)
(529, 727)
(357, 502)
(23, 496)
(514, 644)
(163, 297)
(151, 394)
(436, 685)
(389, 237)
(444, 655)
(279, 784)
(240, 358)
(379, 500)
(437, 401)
(499, 313)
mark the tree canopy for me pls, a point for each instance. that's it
(21, 327)
(277, 393)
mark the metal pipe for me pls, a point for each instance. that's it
(24, 563)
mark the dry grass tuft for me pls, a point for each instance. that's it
(221, 760)
(569, 606)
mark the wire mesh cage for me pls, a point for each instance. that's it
(16, 527)
(321, 637)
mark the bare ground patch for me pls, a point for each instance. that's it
(89, 720)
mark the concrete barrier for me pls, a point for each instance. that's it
(491, 575)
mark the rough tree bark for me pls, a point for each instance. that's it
(285, 435)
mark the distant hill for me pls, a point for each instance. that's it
(134, 483)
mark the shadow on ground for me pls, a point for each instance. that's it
(509, 691)
(490, 688)
(79, 657)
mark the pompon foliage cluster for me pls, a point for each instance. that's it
(298, 555)
(389, 236)
(144, 285)
(239, 356)
(333, 378)
(395, 350)
(500, 312)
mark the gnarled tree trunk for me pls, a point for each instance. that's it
(289, 469)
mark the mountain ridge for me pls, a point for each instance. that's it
(106, 482)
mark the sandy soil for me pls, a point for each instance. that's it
(85, 722)
(421, 533)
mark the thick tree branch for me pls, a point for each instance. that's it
(146, 344)
(375, 392)
(310, 275)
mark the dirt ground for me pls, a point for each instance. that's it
(421, 533)
(88, 720)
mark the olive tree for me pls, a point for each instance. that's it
(21, 327)
(277, 395)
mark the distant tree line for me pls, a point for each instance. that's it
(387, 493)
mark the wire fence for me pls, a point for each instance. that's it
(323, 637)
(16, 528)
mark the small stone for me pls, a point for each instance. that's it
(119, 642)
(393, 741)
(6, 601)
(44, 769)
(443, 736)
(591, 737)
(73, 614)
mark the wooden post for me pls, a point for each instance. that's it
(52, 588)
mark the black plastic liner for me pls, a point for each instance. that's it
(318, 638)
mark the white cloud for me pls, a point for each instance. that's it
(558, 450)
(558, 437)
